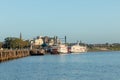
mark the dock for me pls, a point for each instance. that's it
(35, 52)
(13, 54)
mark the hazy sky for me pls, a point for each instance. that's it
(91, 21)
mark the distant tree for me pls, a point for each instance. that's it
(12, 42)
(26, 44)
(1, 44)
(107, 44)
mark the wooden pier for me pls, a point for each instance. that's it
(13, 54)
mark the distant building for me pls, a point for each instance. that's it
(51, 42)
(46, 39)
(38, 41)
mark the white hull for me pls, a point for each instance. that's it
(60, 49)
(78, 49)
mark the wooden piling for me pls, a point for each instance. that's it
(13, 54)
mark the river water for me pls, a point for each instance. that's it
(88, 66)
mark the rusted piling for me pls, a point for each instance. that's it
(13, 54)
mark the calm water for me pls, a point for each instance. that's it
(89, 66)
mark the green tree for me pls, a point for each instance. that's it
(12, 42)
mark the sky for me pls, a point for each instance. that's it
(89, 21)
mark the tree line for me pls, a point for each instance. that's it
(14, 43)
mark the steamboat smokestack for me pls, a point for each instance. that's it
(65, 39)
